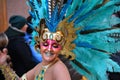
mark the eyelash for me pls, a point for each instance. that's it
(54, 45)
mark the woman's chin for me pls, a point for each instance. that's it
(49, 57)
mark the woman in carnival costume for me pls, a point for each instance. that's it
(80, 30)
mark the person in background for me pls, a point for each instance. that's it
(18, 49)
(3, 45)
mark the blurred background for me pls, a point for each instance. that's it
(9, 8)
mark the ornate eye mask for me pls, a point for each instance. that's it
(57, 36)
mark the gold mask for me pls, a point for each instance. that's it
(57, 36)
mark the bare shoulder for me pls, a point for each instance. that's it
(59, 65)
(31, 74)
(37, 68)
(60, 71)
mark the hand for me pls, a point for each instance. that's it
(3, 56)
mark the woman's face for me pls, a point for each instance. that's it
(50, 50)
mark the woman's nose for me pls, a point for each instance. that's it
(49, 48)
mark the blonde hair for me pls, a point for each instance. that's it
(3, 40)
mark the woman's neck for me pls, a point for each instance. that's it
(45, 63)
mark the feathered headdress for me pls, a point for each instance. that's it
(87, 26)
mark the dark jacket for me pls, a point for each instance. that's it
(19, 52)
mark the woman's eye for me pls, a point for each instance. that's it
(45, 44)
(55, 45)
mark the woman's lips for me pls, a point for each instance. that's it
(48, 54)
